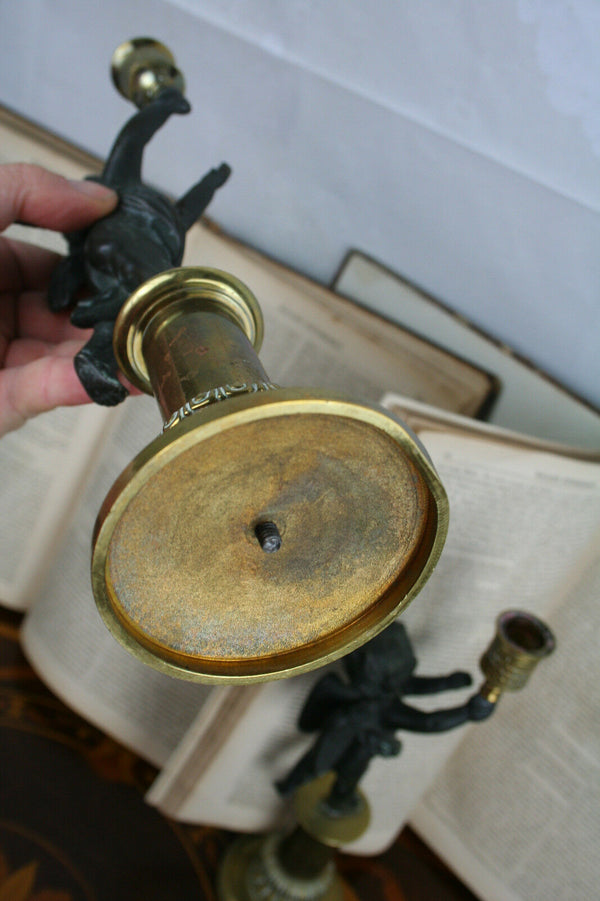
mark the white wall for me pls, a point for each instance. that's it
(458, 141)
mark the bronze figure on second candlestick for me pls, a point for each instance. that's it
(357, 718)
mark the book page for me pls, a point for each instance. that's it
(426, 418)
(69, 645)
(519, 522)
(44, 464)
(516, 811)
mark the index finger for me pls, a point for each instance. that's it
(36, 196)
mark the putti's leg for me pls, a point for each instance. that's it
(99, 308)
(350, 769)
(97, 368)
(191, 206)
(321, 757)
(124, 164)
(304, 771)
(66, 280)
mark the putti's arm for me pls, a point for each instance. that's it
(431, 685)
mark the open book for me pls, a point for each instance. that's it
(514, 808)
(58, 467)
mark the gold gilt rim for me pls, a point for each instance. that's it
(211, 421)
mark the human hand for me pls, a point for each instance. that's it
(36, 346)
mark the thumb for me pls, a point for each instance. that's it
(47, 382)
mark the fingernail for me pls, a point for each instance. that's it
(94, 190)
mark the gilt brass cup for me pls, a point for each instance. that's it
(141, 67)
(267, 530)
(520, 642)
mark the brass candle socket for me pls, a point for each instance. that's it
(266, 531)
(190, 336)
(520, 642)
(142, 67)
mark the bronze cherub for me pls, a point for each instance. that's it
(145, 235)
(357, 717)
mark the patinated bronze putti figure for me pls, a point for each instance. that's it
(357, 718)
(357, 715)
(144, 236)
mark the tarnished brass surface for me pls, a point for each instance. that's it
(141, 67)
(520, 642)
(179, 574)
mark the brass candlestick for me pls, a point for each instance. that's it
(300, 866)
(267, 530)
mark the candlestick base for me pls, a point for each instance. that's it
(251, 871)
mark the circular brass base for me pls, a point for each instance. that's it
(232, 884)
(330, 829)
(180, 575)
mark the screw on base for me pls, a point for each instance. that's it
(267, 535)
